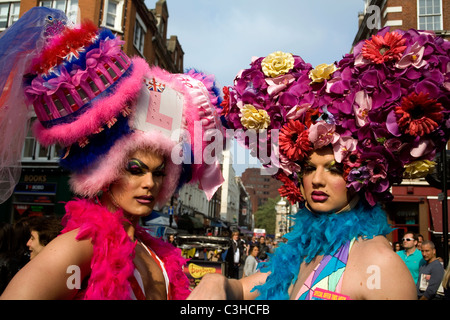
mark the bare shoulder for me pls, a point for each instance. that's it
(379, 271)
(45, 276)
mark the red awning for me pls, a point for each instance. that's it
(436, 215)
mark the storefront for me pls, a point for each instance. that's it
(40, 192)
(415, 208)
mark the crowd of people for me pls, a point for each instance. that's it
(244, 254)
(427, 270)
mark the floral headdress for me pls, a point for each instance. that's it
(383, 109)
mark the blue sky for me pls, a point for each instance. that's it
(221, 37)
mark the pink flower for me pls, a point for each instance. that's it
(344, 146)
(278, 84)
(414, 58)
(322, 134)
(362, 107)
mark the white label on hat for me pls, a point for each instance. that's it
(159, 107)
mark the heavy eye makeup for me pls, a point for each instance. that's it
(332, 167)
(137, 167)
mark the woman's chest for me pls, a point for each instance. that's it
(150, 269)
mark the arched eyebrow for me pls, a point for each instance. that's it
(141, 164)
(161, 167)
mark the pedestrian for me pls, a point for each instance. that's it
(446, 282)
(234, 255)
(263, 249)
(411, 255)
(430, 274)
(103, 108)
(419, 241)
(171, 239)
(251, 262)
(397, 246)
(42, 231)
(344, 138)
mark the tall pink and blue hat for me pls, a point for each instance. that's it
(100, 106)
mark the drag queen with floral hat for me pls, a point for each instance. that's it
(127, 136)
(346, 132)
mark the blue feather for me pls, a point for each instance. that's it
(314, 235)
(99, 144)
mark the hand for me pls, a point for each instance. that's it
(211, 287)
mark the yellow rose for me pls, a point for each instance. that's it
(253, 118)
(277, 63)
(322, 72)
(419, 169)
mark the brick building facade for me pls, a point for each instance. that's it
(259, 187)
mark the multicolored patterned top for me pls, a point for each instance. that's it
(325, 282)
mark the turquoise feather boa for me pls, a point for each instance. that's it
(317, 234)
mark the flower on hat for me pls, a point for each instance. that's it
(252, 118)
(322, 72)
(289, 189)
(380, 49)
(294, 140)
(419, 169)
(413, 58)
(322, 134)
(419, 115)
(277, 63)
(225, 104)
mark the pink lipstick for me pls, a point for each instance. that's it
(319, 196)
(145, 199)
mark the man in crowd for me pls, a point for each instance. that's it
(430, 274)
(411, 255)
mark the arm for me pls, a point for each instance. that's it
(46, 276)
(217, 287)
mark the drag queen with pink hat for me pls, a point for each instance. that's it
(127, 134)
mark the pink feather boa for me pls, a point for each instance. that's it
(113, 252)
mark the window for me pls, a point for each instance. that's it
(139, 34)
(430, 14)
(70, 7)
(112, 17)
(33, 151)
(9, 13)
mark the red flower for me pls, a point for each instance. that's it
(380, 49)
(289, 189)
(312, 114)
(226, 101)
(419, 115)
(294, 141)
